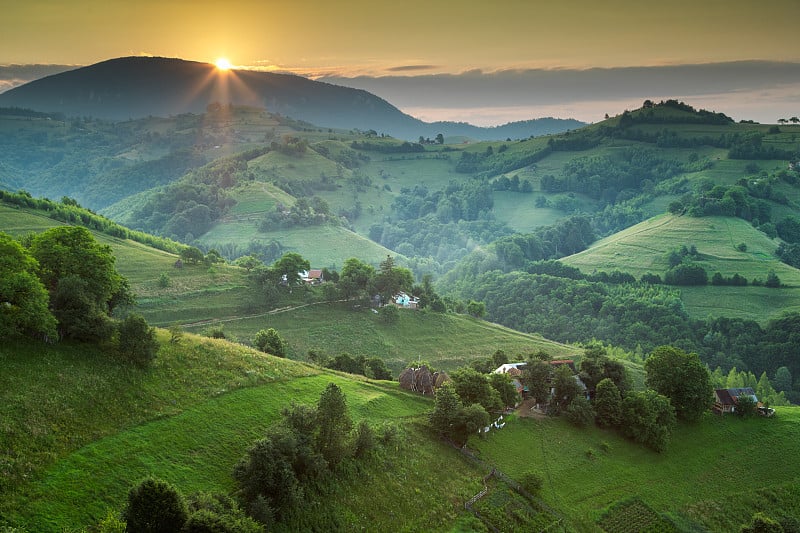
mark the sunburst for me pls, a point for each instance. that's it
(223, 63)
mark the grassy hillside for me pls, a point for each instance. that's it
(709, 469)
(446, 341)
(643, 249)
(80, 425)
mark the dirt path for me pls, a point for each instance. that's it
(527, 410)
(235, 318)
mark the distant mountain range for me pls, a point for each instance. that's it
(135, 87)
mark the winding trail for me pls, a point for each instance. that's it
(270, 312)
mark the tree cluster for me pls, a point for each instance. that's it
(280, 473)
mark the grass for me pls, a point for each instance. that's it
(446, 341)
(85, 427)
(705, 462)
(643, 248)
(55, 399)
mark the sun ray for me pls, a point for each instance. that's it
(223, 63)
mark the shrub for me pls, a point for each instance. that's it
(270, 341)
(532, 482)
(579, 412)
(156, 506)
(389, 314)
(137, 340)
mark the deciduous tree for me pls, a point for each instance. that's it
(682, 378)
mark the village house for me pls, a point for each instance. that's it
(312, 277)
(405, 301)
(725, 400)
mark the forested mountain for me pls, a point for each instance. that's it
(135, 87)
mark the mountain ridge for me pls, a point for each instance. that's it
(136, 87)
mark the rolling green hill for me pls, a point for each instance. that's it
(643, 249)
(84, 427)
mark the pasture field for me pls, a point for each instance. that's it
(87, 428)
(585, 471)
(520, 213)
(444, 340)
(644, 247)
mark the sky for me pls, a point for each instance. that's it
(480, 62)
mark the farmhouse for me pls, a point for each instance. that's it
(725, 400)
(405, 301)
(312, 277)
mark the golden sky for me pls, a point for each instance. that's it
(351, 37)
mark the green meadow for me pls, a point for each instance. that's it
(643, 248)
(708, 468)
(446, 341)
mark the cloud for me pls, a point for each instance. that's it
(13, 75)
(411, 68)
(758, 90)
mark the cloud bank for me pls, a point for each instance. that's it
(753, 90)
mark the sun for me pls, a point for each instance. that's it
(223, 63)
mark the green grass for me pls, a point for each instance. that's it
(643, 248)
(82, 428)
(519, 212)
(705, 462)
(446, 341)
(324, 246)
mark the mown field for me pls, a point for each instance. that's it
(709, 469)
(644, 247)
(444, 340)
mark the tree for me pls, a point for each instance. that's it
(580, 412)
(773, 281)
(505, 388)
(137, 340)
(355, 278)
(607, 404)
(265, 476)
(439, 138)
(334, 424)
(745, 406)
(155, 506)
(192, 255)
(566, 388)
(536, 375)
(24, 302)
(389, 314)
(761, 523)
(270, 341)
(681, 377)
(473, 387)
(290, 265)
(476, 309)
(391, 279)
(499, 358)
(648, 418)
(80, 305)
(783, 379)
(446, 408)
(470, 420)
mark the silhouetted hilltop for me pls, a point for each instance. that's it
(134, 87)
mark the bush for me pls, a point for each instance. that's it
(532, 482)
(389, 314)
(270, 341)
(137, 342)
(579, 412)
(155, 506)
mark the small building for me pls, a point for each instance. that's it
(725, 400)
(512, 369)
(405, 301)
(312, 277)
